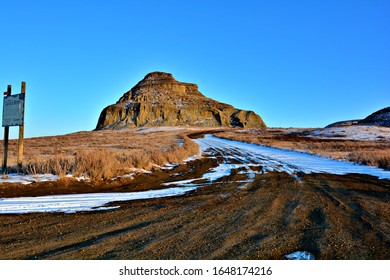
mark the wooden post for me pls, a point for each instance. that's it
(21, 133)
(6, 136)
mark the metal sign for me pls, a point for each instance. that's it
(13, 110)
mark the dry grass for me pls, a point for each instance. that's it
(374, 158)
(374, 153)
(106, 154)
(103, 154)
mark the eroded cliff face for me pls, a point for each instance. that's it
(160, 100)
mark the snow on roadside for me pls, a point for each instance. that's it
(169, 166)
(72, 203)
(28, 179)
(287, 160)
(215, 173)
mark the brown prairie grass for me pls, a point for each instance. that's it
(109, 153)
(103, 154)
(374, 158)
(373, 153)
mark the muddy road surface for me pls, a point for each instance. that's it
(239, 204)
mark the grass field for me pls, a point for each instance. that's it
(103, 154)
(108, 153)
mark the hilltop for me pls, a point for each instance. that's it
(160, 100)
(378, 118)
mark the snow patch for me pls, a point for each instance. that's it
(355, 132)
(169, 166)
(140, 171)
(300, 255)
(28, 179)
(72, 203)
(291, 162)
(158, 129)
(215, 174)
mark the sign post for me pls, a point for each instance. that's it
(13, 115)
(6, 134)
(21, 130)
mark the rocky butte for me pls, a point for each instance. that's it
(160, 100)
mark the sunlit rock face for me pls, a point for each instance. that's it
(160, 100)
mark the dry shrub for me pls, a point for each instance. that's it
(96, 164)
(106, 154)
(374, 158)
(57, 165)
(179, 153)
(61, 165)
(146, 159)
(139, 159)
(103, 154)
(158, 158)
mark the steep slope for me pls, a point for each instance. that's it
(160, 100)
(378, 118)
(381, 118)
(343, 123)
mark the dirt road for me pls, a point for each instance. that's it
(242, 206)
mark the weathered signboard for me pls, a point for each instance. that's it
(13, 110)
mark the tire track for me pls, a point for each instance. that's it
(89, 242)
(342, 200)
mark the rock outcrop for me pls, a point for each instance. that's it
(344, 123)
(378, 118)
(160, 100)
(381, 118)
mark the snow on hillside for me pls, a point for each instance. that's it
(355, 132)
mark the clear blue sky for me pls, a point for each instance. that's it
(296, 63)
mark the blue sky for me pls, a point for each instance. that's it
(295, 63)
